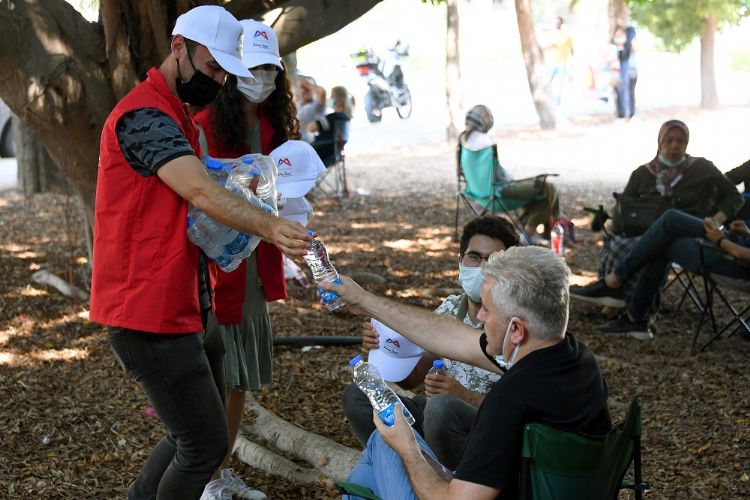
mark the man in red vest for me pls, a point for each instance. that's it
(145, 284)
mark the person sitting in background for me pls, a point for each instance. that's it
(445, 418)
(323, 128)
(311, 105)
(741, 175)
(551, 378)
(690, 184)
(538, 211)
(674, 237)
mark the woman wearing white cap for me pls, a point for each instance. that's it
(250, 115)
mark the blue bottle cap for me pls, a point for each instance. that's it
(438, 363)
(310, 233)
(211, 163)
(356, 359)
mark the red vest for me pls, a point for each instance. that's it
(229, 288)
(145, 274)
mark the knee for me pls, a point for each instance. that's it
(437, 412)
(353, 400)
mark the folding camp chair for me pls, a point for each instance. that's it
(559, 465)
(333, 180)
(683, 281)
(716, 286)
(477, 181)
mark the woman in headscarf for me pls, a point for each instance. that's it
(541, 203)
(695, 189)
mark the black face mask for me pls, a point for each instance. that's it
(199, 90)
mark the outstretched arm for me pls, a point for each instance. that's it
(455, 340)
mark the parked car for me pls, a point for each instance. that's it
(7, 149)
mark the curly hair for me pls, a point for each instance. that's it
(231, 129)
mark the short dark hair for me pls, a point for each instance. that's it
(492, 226)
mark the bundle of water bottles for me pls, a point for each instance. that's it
(251, 176)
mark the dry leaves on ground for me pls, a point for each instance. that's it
(75, 427)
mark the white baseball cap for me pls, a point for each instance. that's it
(260, 45)
(219, 31)
(298, 167)
(396, 356)
(296, 209)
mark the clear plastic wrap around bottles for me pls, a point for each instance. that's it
(251, 176)
(382, 398)
(322, 270)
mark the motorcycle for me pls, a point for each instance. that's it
(384, 91)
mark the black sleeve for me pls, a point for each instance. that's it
(149, 138)
(492, 454)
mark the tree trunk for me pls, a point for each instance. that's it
(325, 456)
(709, 93)
(64, 74)
(533, 58)
(37, 173)
(453, 91)
(618, 15)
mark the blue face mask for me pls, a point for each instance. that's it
(670, 163)
(471, 281)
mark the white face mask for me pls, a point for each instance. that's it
(670, 163)
(471, 281)
(501, 357)
(263, 86)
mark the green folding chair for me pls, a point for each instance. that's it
(478, 181)
(560, 465)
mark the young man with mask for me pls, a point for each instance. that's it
(550, 377)
(445, 418)
(145, 284)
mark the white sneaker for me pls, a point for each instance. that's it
(216, 490)
(237, 486)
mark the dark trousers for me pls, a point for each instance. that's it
(175, 375)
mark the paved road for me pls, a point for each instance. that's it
(7, 173)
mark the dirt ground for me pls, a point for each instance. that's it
(74, 426)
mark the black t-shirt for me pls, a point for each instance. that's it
(560, 385)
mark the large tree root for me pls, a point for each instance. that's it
(327, 458)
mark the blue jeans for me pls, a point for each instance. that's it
(671, 238)
(624, 104)
(445, 421)
(382, 470)
(174, 373)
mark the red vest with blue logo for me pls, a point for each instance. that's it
(229, 288)
(145, 273)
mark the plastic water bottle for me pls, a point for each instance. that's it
(556, 238)
(381, 396)
(437, 367)
(322, 270)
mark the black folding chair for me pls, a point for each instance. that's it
(331, 152)
(717, 286)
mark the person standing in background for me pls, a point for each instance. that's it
(628, 76)
(559, 50)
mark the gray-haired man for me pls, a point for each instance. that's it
(551, 378)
